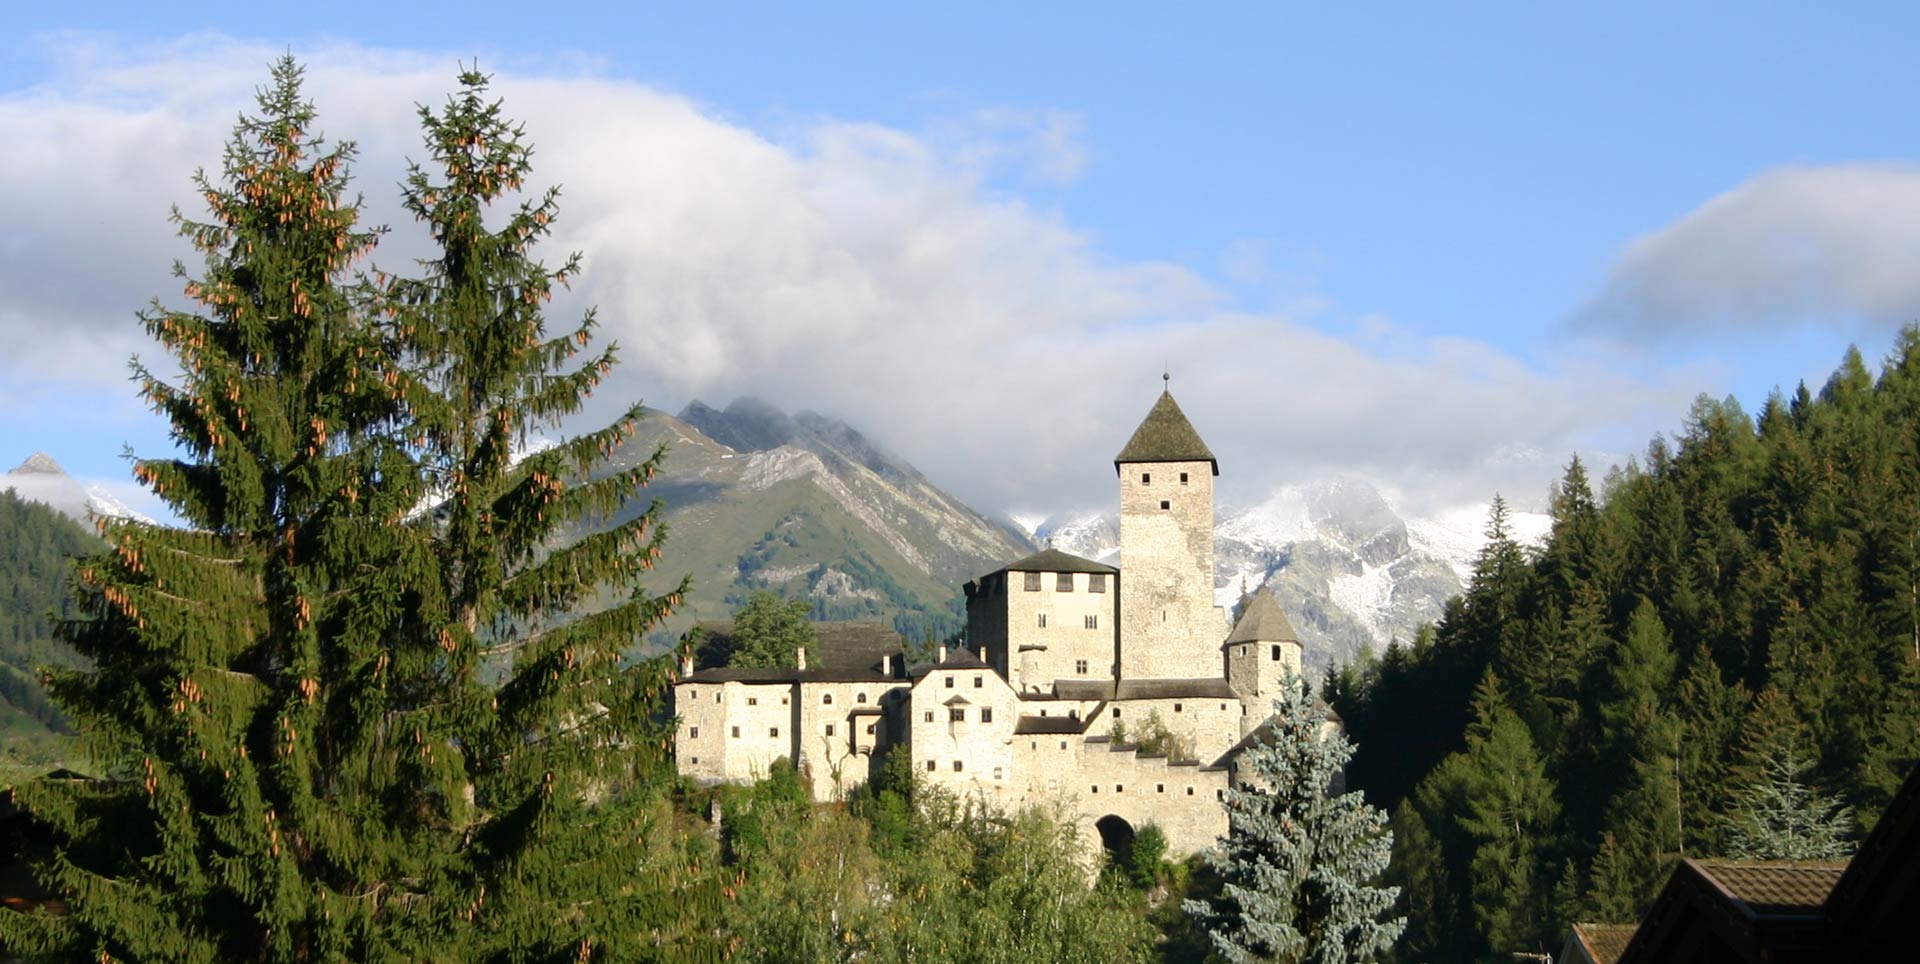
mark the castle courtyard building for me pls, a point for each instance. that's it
(1120, 693)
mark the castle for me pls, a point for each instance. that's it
(1068, 669)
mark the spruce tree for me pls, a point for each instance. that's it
(1300, 867)
(1510, 813)
(542, 784)
(231, 663)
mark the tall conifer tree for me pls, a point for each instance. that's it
(230, 661)
(541, 783)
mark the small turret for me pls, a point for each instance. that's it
(1261, 651)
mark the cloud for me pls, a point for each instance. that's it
(859, 270)
(1834, 246)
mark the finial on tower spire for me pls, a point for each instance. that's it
(1166, 378)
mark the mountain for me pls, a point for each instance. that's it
(1348, 571)
(805, 505)
(41, 479)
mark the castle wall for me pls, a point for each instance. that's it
(1210, 725)
(1062, 629)
(1255, 671)
(1169, 626)
(841, 727)
(1184, 800)
(732, 732)
(961, 732)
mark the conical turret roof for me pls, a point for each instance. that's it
(1263, 622)
(1165, 436)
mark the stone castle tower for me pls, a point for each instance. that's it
(1169, 626)
(1261, 652)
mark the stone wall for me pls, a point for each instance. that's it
(1169, 626)
(960, 726)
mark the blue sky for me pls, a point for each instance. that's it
(1557, 224)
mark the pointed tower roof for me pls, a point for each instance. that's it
(1263, 622)
(1165, 436)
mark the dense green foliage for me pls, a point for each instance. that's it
(908, 873)
(1300, 865)
(306, 759)
(770, 632)
(37, 550)
(1746, 594)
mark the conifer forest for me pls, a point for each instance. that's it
(361, 704)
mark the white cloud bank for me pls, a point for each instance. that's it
(858, 270)
(1835, 246)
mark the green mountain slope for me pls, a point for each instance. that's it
(37, 545)
(805, 506)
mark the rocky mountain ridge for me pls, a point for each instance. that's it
(1350, 573)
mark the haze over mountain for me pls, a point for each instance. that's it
(41, 479)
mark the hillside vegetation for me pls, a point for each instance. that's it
(1731, 622)
(37, 548)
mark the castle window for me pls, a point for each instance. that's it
(1094, 789)
(859, 697)
(1164, 504)
(1063, 744)
(1116, 712)
(736, 732)
(1119, 788)
(695, 761)
(1176, 707)
(1159, 788)
(996, 773)
(869, 729)
(826, 699)
(1093, 622)
(1146, 478)
(929, 766)
(1097, 582)
(949, 682)
(956, 766)
(1080, 667)
(929, 716)
(1276, 652)
(1043, 620)
(783, 701)
(693, 733)
(1189, 791)
(1223, 707)
(1219, 794)
(1064, 583)
(956, 715)
(1073, 714)
(1183, 478)
(1033, 582)
(986, 714)
(1043, 712)
(829, 729)
(773, 731)
(716, 696)
(753, 701)
(978, 681)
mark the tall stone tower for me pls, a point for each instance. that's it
(1169, 626)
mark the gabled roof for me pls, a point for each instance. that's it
(1062, 725)
(1597, 943)
(1263, 622)
(1165, 436)
(1053, 560)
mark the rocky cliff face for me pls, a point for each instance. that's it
(805, 505)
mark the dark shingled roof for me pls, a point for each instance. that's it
(1776, 889)
(1142, 689)
(1049, 724)
(959, 658)
(1053, 560)
(1602, 943)
(1165, 436)
(1263, 622)
(844, 651)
